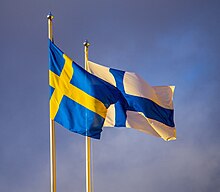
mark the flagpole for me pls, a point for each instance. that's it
(52, 126)
(88, 139)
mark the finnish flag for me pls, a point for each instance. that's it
(143, 107)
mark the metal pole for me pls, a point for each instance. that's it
(52, 127)
(88, 139)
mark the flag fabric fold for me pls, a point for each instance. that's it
(78, 99)
(143, 107)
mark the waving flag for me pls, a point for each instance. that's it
(143, 107)
(78, 99)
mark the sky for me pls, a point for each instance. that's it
(165, 42)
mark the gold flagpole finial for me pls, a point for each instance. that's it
(50, 16)
(50, 30)
(86, 43)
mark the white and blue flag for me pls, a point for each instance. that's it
(143, 107)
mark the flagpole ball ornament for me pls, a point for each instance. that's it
(50, 16)
(86, 43)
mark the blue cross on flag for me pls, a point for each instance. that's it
(143, 107)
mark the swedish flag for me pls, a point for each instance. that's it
(78, 99)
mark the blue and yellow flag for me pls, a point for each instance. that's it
(78, 99)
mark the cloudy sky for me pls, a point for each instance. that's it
(166, 42)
